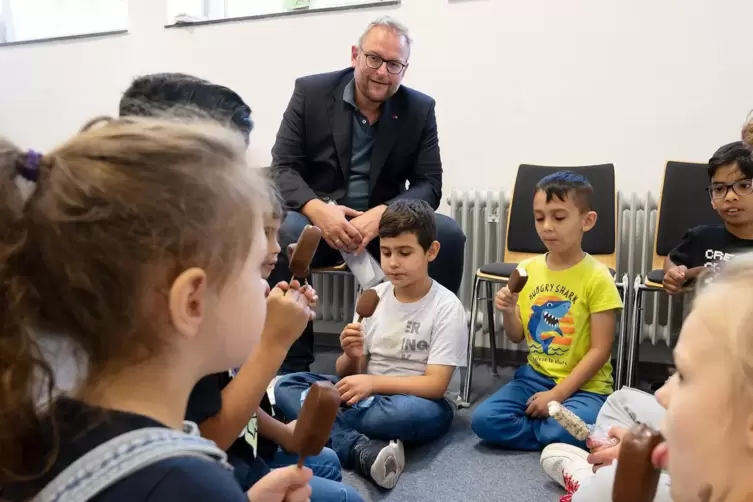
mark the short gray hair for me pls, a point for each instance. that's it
(391, 24)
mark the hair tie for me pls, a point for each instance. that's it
(29, 169)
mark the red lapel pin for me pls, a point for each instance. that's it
(394, 117)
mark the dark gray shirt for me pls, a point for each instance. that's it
(357, 196)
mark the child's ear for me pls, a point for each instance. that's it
(187, 301)
(433, 251)
(713, 205)
(589, 221)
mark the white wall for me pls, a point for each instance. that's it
(548, 81)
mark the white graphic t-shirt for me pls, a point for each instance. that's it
(402, 338)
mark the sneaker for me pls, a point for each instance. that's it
(380, 461)
(566, 465)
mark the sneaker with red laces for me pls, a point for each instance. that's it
(567, 466)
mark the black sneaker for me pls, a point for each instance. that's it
(380, 461)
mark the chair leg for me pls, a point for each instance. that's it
(464, 399)
(490, 325)
(634, 339)
(624, 288)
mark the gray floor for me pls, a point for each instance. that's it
(457, 467)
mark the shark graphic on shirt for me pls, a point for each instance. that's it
(545, 319)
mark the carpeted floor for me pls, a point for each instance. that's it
(458, 467)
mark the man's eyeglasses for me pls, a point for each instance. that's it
(740, 187)
(375, 62)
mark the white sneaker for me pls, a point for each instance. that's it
(566, 465)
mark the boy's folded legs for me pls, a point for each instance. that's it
(501, 420)
(368, 438)
(325, 465)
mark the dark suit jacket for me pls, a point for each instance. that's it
(311, 156)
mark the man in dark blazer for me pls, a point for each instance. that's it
(356, 137)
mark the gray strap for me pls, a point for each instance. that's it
(122, 456)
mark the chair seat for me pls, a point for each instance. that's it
(502, 271)
(654, 278)
(339, 268)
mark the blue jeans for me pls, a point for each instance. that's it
(412, 419)
(447, 270)
(325, 485)
(501, 419)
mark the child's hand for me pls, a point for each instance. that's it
(311, 295)
(287, 315)
(287, 484)
(355, 388)
(506, 301)
(351, 341)
(538, 404)
(603, 455)
(674, 279)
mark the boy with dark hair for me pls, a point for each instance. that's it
(232, 408)
(566, 313)
(408, 352)
(731, 193)
(161, 93)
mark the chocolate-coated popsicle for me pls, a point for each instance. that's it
(365, 308)
(302, 253)
(636, 478)
(315, 420)
(367, 304)
(518, 280)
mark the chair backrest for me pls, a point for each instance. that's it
(684, 204)
(522, 241)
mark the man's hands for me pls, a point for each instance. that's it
(288, 314)
(506, 301)
(367, 225)
(537, 404)
(603, 455)
(355, 388)
(351, 341)
(337, 231)
(674, 279)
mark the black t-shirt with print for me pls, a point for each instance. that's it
(82, 428)
(707, 246)
(205, 401)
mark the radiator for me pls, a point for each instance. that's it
(337, 295)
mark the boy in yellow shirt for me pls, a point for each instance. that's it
(566, 314)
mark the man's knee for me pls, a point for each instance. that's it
(449, 232)
(291, 228)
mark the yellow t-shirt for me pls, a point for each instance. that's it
(555, 309)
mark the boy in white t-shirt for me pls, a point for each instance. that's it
(410, 349)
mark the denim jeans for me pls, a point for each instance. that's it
(412, 419)
(501, 419)
(447, 270)
(326, 484)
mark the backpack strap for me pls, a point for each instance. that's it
(124, 455)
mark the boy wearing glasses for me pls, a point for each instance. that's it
(731, 192)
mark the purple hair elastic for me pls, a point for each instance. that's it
(30, 168)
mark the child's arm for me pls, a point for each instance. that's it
(353, 359)
(431, 385)
(279, 433)
(602, 336)
(507, 302)
(287, 317)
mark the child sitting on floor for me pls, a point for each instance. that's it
(731, 193)
(140, 244)
(232, 407)
(396, 372)
(566, 313)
